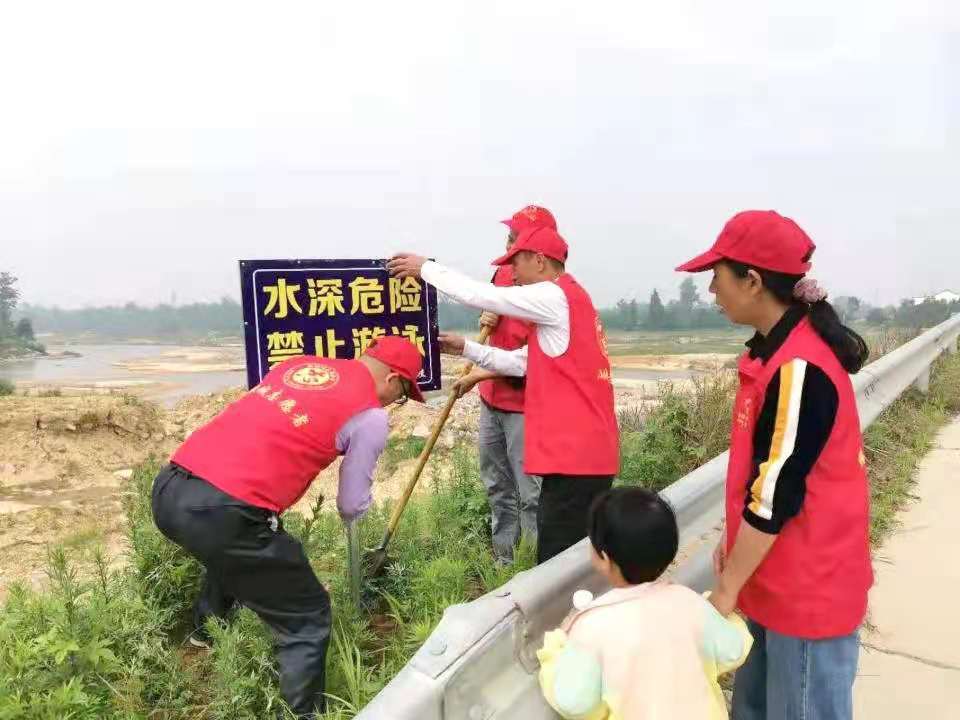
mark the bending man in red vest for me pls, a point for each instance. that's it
(222, 493)
(795, 557)
(572, 439)
(513, 494)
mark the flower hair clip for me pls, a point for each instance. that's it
(809, 291)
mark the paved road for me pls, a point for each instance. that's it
(910, 663)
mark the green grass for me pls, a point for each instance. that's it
(97, 643)
(101, 644)
(85, 537)
(7, 388)
(399, 449)
(681, 432)
(897, 441)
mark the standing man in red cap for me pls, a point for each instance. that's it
(222, 493)
(513, 494)
(572, 440)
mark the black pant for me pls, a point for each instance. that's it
(562, 515)
(263, 568)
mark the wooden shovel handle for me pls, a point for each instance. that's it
(431, 441)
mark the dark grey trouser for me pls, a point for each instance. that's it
(248, 557)
(514, 495)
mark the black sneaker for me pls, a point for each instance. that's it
(200, 639)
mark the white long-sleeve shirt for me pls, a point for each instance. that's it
(542, 303)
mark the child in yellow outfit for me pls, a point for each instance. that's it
(648, 649)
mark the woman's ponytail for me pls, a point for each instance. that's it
(851, 349)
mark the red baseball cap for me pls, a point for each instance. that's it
(530, 216)
(401, 356)
(544, 240)
(760, 238)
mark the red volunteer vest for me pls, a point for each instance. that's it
(510, 334)
(267, 447)
(813, 584)
(571, 426)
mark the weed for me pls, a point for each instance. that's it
(243, 671)
(887, 339)
(681, 431)
(399, 449)
(89, 421)
(85, 537)
(7, 387)
(630, 419)
(897, 441)
(50, 392)
(134, 401)
(945, 383)
(166, 577)
(84, 649)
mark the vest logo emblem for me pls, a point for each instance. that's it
(601, 337)
(744, 413)
(313, 376)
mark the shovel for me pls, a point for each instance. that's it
(376, 559)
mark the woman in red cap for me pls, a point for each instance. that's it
(795, 556)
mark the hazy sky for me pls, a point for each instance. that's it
(146, 147)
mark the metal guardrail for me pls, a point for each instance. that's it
(480, 662)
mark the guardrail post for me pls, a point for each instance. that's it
(922, 383)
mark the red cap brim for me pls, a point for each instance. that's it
(701, 262)
(507, 257)
(509, 223)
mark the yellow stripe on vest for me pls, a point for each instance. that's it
(784, 438)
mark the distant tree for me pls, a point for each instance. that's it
(847, 307)
(629, 312)
(657, 316)
(689, 295)
(24, 329)
(876, 316)
(709, 317)
(9, 295)
(926, 314)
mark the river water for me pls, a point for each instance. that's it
(97, 367)
(101, 366)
